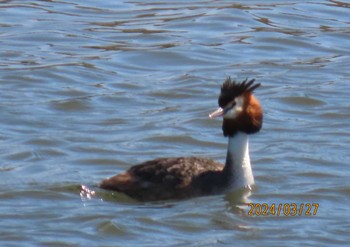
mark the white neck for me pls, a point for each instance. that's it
(238, 161)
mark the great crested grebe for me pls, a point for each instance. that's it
(174, 178)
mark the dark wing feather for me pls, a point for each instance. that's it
(164, 178)
(173, 172)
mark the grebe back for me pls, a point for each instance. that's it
(182, 177)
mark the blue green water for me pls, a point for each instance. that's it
(89, 88)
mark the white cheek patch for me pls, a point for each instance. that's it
(237, 109)
(239, 104)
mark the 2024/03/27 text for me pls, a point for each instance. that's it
(283, 209)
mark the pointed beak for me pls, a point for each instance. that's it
(218, 113)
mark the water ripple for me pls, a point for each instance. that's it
(90, 88)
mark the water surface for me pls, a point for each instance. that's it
(89, 88)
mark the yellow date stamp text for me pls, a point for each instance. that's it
(283, 209)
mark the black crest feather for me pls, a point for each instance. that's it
(231, 89)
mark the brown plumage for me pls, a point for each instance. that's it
(250, 122)
(167, 178)
(174, 178)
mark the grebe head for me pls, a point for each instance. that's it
(241, 111)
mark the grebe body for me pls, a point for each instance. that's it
(182, 177)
